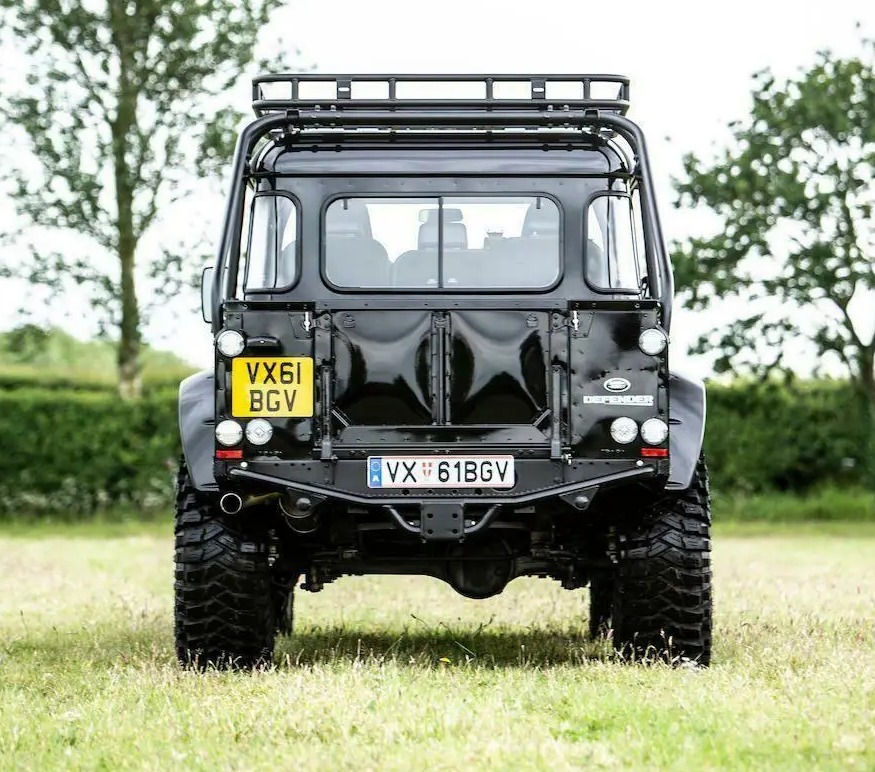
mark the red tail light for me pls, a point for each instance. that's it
(654, 452)
(226, 454)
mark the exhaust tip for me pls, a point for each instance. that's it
(231, 503)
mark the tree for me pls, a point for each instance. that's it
(794, 195)
(120, 95)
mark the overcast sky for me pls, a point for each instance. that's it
(690, 64)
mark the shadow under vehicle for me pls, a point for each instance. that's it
(441, 308)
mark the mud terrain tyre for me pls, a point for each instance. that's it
(225, 612)
(662, 584)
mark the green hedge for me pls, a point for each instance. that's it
(787, 437)
(18, 376)
(72, 452)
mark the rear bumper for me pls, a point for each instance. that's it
(442, 514)
(537, 479)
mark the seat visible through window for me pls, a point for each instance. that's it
(354, 257)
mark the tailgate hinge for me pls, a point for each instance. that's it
(440, 367)
(327, 452)
(556, 413)
(322, 352)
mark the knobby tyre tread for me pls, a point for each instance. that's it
(662, 600)
(225, 615)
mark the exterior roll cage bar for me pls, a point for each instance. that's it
(537, 118)
(340, 88)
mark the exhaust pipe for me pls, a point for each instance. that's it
(231, 503)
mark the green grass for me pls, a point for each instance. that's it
(396, 673)
(844, 511)
(823, 504)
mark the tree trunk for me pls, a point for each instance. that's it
(129, 380)
(867, 382)
(125, 121)
(129, 376)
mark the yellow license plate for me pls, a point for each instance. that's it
(272, 386)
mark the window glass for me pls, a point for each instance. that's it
(271, 261)
(243, 262)
(476, 242)
(638, 227)
(368, 239)
(611, 250)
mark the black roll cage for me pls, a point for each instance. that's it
(533, 120)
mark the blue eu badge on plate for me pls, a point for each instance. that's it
(375, 472)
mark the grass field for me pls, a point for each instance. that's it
(392, 673)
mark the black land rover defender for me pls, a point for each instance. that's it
(441, 308)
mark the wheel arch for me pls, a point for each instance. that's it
(687, 410)
(197, 419)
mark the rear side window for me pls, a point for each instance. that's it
(271, 259)
(612, 253)
(443, 242)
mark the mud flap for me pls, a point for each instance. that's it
(687, 419)
(197, 399)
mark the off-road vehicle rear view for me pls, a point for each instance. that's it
(441, 308)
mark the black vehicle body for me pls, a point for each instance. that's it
(525, 373)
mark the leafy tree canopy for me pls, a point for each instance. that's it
(120, 104)
(793, 193)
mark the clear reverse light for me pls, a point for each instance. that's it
(624, 430)
(229, 432)
(230, 343)
(259, 431)
(652, 341)
(654, 431)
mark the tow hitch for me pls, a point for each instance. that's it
(443, 521)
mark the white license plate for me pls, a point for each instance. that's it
(440, 472)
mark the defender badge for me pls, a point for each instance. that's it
(617, 385)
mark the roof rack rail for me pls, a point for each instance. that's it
(406, 99)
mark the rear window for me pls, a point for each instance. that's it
(451, 242)
(272, 244)
(613, 255)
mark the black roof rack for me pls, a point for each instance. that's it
(469, 100)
